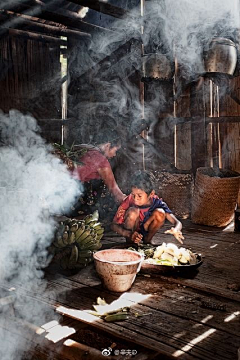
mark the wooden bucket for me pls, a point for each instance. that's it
(215, 196)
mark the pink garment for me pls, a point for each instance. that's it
(92, 161)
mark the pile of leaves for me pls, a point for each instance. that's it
(112, 313)
(70, 156)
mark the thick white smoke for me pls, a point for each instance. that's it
(180, 29)
(184, 27)
(34, 185)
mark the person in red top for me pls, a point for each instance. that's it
(142, 213)
(96, 169)
(96, 166)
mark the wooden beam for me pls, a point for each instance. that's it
(38, 37)
(70, 18)
(31, 23)
(193, 120)
(7, 5)
(208, 120)
(15, 5)
(61, 16)
(223, 119)
(130, 47)
(103, 7)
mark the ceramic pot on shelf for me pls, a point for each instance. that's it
(221, 56)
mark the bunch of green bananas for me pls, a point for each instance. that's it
(76, 240)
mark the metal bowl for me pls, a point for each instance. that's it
(158, 269)
(152, 268)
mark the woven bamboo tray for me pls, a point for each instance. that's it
(215, 196)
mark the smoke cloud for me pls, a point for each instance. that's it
(178, 29)
(34, 185)
(184, 28)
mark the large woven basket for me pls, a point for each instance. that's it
(176, 190)
(215, 196)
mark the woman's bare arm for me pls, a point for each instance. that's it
(108, 178)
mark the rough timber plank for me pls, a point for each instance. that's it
(80, 296)
(179, 324)
(175, 299)
(219, 249)
(159, 327)
(183, 146)
(191, 304)
(42, 348)
(156, 338)
(69, 293)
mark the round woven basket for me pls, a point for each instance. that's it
(176, 190)
(215, 196)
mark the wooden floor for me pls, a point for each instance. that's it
(196, 316)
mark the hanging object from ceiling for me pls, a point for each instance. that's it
(221, 56)
(156, 66)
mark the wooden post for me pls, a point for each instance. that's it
(198, 128)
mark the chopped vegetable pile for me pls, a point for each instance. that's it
(167, 254)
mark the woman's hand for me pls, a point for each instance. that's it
(176, 233)
(121, 198)
(108, 178)
(136, 237)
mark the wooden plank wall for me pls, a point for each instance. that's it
(30, 77)
(158, 104)
(228, 132)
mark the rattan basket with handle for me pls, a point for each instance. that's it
(215, 196)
